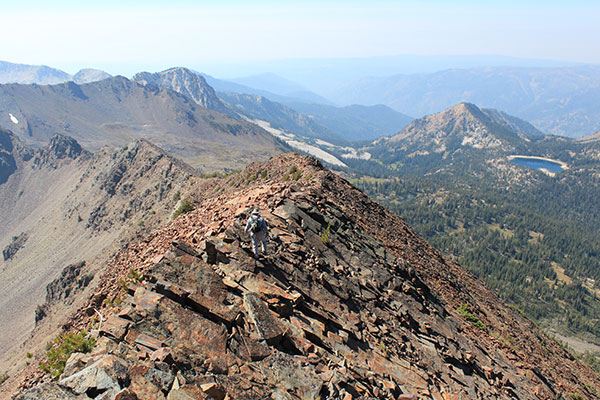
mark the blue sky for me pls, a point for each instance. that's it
(123, 37)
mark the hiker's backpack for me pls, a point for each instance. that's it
(255, 225)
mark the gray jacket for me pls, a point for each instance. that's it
(260, 221)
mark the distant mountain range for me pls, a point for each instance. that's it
(555, 98)
(317, 121)
(117, 110)
(22, 73)
(280, 86)
(279, 116)
(261, 88)
(43, 75)
(557, 101)
(322, 75)
(356, 122)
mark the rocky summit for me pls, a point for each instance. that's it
(347, 303)
(188, 83)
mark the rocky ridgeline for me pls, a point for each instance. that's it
(59, 148)
(348, 303)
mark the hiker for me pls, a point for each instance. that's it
(258, 229)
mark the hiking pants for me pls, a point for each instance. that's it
(259, 237)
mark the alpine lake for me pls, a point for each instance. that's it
(539, 163)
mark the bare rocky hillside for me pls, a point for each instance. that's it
(64, 211)
(348, 303)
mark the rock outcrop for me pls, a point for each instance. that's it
(348, 303)
(72, 280)
(60, 147)
(188, 83)
(14, 246)
(8, 164)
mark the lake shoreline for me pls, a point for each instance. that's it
(563, 164)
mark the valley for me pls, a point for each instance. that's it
(511, 225)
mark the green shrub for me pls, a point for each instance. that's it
(29, 355)
(250, 178)
(3, 378)
(263, 174)
(185, 207)
(177, 196)
(465, 312)
(325, 239)
(59, 351)
(134, 275)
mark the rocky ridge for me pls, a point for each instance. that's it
(348, 303)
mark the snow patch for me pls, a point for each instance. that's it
(293, 141)
(13, 119)
(352, 153)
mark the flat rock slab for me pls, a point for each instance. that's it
(49, 391)
(213, 309)
(268, 327)
(115, 327)
(148, 342)
(104, 376)
(187, 392)
(146, 301)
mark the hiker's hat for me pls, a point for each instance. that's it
(256, 211)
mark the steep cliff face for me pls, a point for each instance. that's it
(12, 154)
(348, 302)
(7, 160)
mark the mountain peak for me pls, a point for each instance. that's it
(462, 125)
(88, 75)
(187, 83)
(464, 107)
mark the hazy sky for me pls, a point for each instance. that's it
(123, 37)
